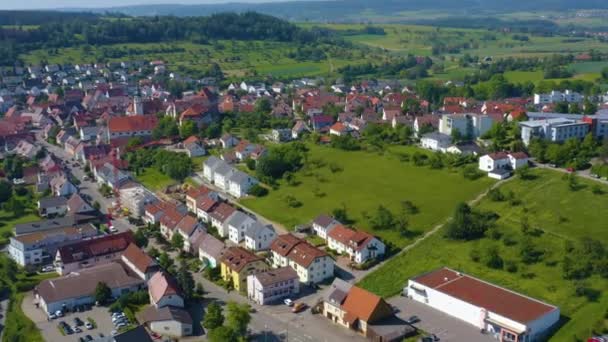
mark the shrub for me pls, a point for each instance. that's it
(471, 172)
(258, 191)
(475, 255)
(334, 168)
(292, 201)
(495, 195)
(511, 266)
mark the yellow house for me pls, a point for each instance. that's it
(237, 263)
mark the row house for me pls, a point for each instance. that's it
(312, 264)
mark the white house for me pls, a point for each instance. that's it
(210, 251)
(237, 224)
(358, 245)
(167, 321)
(504, 314)
(557, 96)
(163, 291)
(471, 125)
(323, 224)
(258, 237)
(239, 183)
(499, 165)
(436, 141)
(310, 263)
(273, 285)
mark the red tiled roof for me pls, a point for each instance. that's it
(222, 212)
(519, 155)
(132, 123)
(138, 257)
(365, 306)
(284, 243)
(236, 258)
(95, 247)
(341, 234)
(295, 249)
(498, 155)
(495, 299)
(161, 285)
(206, 204)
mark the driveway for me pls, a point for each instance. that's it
(447, 328)
(50, 330)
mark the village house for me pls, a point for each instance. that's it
(499, 165)
(363, 312)
(358, 245)
(237, 224)
(76, 289)
(139, 262)
(312, 264)
(272, 286)
(219, 216)
(135, 198)
(93, 252)
(436, 141)
(258, 237)
(502, 313)
(167, 321)
(52, 206)
(41, 246)
(195, 195)
(131, 126)
(164, 291)
(204, 207)
(210, 251)
(323, 224)
(238, 263)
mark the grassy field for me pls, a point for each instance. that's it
(366, 181)
(550, 206)
(154, 179)
(236, 58)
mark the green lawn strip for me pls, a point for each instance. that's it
(18, 327)
(366, 181)
(154, 179)
(544, 197)
(8, 222)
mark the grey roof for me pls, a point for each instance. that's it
(213, 162)
(212, 246)
(324, 220)
(338, 291)
(49, 202)
(238, 219)
(224, 169)
(239, 176)
(437, 136)
(138, 334)
(167, 313)
(256, 229)
(61, 222)
(83, 283)
(277, 275)
(541, 115)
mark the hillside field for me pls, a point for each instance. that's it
(366, 181)
(549, 205)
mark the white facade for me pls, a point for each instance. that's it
(487, 163)
(259, 239)
(169, 300)
(436, 141)
(240, 183)
(320, 269)
(171, 328)
(557, 96)
(500, 327)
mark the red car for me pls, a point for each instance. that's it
(155, 336)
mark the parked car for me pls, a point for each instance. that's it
(114, 332)
(155, 336)
(76, 329)
(288, 302)
(52, 316)
(59, 313)
(298, 307)
(413, 319)
(78, 322)
(120, 325)
(89, 338)
(81, 339)
(89, 325)
(48, 268)
(434, 337)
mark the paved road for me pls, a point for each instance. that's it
(88, 188)
(582, 173)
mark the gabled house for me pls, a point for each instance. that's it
(238, 263)
(358, 245)
(139, 262)
(210, 251)
(323, 224)
(77, 205)
(164, 291)
(219, 216)
(239, 183)
(197, 194)
(499, 165)
(312, 264)
(52, 206)
(237, 224)
(61, 186)
(258, 237)
(131, 126)
(273, 285)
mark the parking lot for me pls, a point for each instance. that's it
(50, 330)
(447, 328)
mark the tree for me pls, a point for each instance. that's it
(177, 241)
(222, 334)
(561, 107)
(102, 293)
(238, 317)
(383, 219)
(6, 191)
(140, 239)
(213, 317)
(15, 206)
(188, 129)
(468, 225)
(263, 106)
(164, 261)
(340, 214)
(493, 259)
(186, 282)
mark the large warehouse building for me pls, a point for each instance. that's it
(508, 316)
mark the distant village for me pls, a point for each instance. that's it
(85, 117)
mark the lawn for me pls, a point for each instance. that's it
(8, 222)
(366, 181)
(154, 180)
(549, 205)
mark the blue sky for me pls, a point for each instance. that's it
(51, 4)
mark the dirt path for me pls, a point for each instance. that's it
(430, 233)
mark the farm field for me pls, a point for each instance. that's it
(366, 181)
(236, 58)
(549, 205)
